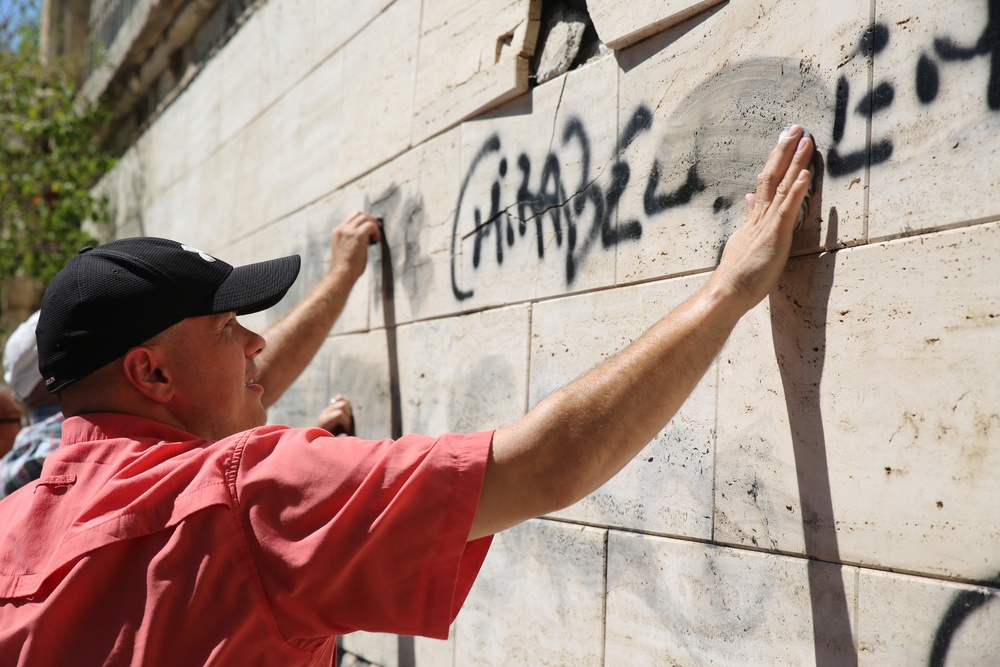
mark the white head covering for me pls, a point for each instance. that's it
(20, 359)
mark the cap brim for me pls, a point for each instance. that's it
(255, 287)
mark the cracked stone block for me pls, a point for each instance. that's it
(666, 488)
(906, 620)
(537, 600)
(620, 23)
(563, 36)
(697, 129)
(473, 56)
(935, 116)
(673, 602)
(478, 385)
(858, 413)
(533, 214)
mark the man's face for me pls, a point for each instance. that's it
(211, 364)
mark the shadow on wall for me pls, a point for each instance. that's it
(798, 325)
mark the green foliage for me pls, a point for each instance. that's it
(49, 159)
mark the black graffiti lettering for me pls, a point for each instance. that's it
(875, 39)
(987, 44)
(492, 145)
(840, 163)
(840, 109)
(583, 217)
(963, 606)
(928, 79)
(881, 99)
(654, 202)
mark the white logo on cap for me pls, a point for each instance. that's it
(204, 255)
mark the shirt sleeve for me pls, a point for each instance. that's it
(348, 534)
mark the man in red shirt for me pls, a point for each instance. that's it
(173, 527)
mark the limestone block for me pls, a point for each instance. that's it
(241, 90)
(697, 128)
(359, 369)
(288, 30)
(463, 374)
(377, 88)
(667, 488)
(620, 24)
(904, 620)
(377, 649)
(857, 412)
(415, 196)
(534, 214)
(291, 153)
(302, 402)
(398, 651)
(199, 105)
(214, 182)
(473, 56)
(537, 600)
(935, 118)
(673, 602)
(337, 21)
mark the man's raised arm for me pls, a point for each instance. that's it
(583, 434)
(293, 340)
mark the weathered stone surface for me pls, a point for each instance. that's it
(359, 370)
(684, 603)
(377, 89)
(531, 213)
(464, 374)
(293, 148)
(857, 414)
(415, 196)
(905, 620)
(473, 56)
(620, 23)
(338, 21)
(698, 129)
(935, 140)
(537, 600)
(241, 91)
(668, 487)
(288, 36)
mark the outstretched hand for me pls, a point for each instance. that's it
(756, 253)
(350, 240)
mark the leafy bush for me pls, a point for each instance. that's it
(50, 158)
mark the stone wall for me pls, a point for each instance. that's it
(827, 496)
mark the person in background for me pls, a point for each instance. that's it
(10, 421)
(34, 442)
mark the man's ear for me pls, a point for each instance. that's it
(144, 370)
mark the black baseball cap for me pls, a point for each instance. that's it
(109, 299)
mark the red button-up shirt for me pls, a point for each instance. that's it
(142, 544)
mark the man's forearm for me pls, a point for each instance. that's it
(293, 340)
(583, 434)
